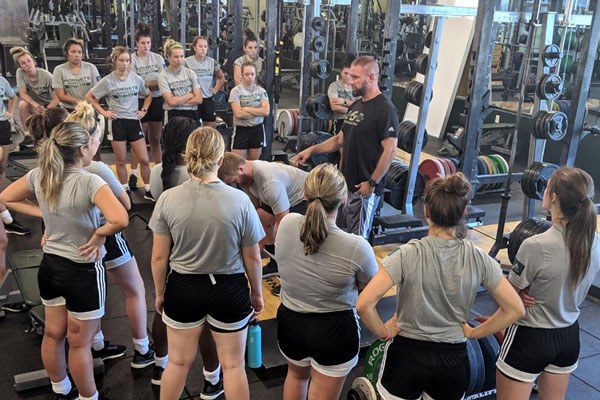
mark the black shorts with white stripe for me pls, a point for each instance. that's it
(221, 300)
(527, 352)
(248, 137)
(81, 287)
(125, 130)
(118, 251)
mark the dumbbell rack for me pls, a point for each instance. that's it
(208, 20)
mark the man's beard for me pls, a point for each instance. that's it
(359, 92)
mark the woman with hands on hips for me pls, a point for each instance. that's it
(437, 279)
(71, 277)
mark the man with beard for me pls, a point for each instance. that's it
(368, 139)
(275, 189)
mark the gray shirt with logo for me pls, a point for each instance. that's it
(40, 88)
(327, 280)
(121, 94)
(338, 89)
(277, 185)
(76, 85)
(259, 63)
(245, 97)
(148, 68)
(180, 175)
(209, 224)
(205, 71)
(542, 264)
(75, 218)
(437, 281)
(5, 91)
(178, 84)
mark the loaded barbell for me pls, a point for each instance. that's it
(317, 106)
(550, 125)
(320, 69)
(535, 179)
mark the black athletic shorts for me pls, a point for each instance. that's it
(412, 367)
(5, 133)
(327, 342)
(192, 114)
(81, 287)
(221, 300)
(125, 130)
(527, 352)
(299, 208)
(118, 251)
(245, 137)
(206, 110)
(155, 113)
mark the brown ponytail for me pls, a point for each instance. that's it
(447, 199)
(574, 189)
(325, 189)
(40, 125)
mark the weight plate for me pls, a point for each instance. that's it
(481, 170)
(318, 23)
(414, 92)
(455, 162)
(551, 55)
(500, 163)
(431, 169)
(535, 179)
(318, 107)
(318, 44)
(372, 361)
(406, 136)
(524, 230)
(320, 69)
(421, 63)
(285, 123)
(549, 87)
(495, 171)
(428, 39)
(362, 389)
(489, 349)
(447, 170)
(475, 365)
(490, 169)
(557, 125)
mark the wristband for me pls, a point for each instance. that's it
(144, 110)
(389, 335)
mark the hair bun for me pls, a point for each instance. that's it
(16, 50)
(143, 29)
(457, 184)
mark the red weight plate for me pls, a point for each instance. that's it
(431, 169)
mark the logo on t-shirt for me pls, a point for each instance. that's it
(518, 268)
(391, 129)
(354, 118)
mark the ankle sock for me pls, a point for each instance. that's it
(212, 377)
(134, 172)
(161, 361)
(62, 387)
(98, 341)
(141, 345)
(6, 217)
(94, 397)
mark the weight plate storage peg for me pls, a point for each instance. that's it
(320, 69)
(318, 44)
(535, 179)
(551, 55)
(318, 107)
(421, 63)
(318, 23)
(549, 87)
(414, 92)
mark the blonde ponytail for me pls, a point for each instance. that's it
(325, 189)
(204, 148)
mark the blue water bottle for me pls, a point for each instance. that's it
(254, 345)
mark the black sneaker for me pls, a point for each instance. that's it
(14, 307)
(148, 195)
(142, 360)
(72, 395)
(157, 375)
(270, 269)
(26, 143)
(276, 291)
(210, 391)
(133, 182)
(110, 351)
(17, 228)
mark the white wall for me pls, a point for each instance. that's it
(457, 35)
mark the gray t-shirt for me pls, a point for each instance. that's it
(437, 282)
(277, 185)
(338, 89)
(327, 280)
(178, 84)
(5, 91)
(76, 85)
(104, 172)
(75, 218)
(252, 97)
(121, 94)
(209, 224)
(259, 63)
(542, 264)
(205, 71)
(148, 68)
(180, 175)
(40, 88)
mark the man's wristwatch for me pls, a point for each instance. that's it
(144, 110)
(373, 183)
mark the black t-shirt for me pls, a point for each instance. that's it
(366, 125)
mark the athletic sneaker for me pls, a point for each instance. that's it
(210, 391)
(110, 351)
(148, 195)
(26, 143)
(142, 360)
(72, 395)
(270, 269)
(157, 375)
(276, 291)
(132, 182)
(14, 307)
(17, 228)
